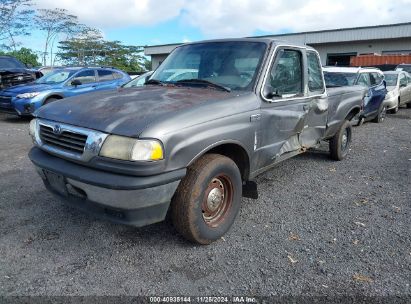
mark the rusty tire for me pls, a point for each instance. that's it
(208, 199)
(340, 143)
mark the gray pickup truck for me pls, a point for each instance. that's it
(190, 142)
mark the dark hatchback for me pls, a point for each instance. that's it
(13, 72)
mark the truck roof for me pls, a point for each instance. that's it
(263, 40)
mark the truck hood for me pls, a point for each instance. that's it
(27, 88)
(127, 111)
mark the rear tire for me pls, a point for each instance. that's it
(340, 143)
(408, 105)
(208, 199)
(395, 110)
(381, 114)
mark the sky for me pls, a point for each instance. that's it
(151, 22)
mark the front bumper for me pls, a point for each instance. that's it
(391, 102)
(20, 107)
(130, 200)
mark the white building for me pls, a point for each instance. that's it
(333, 45)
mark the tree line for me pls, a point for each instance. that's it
(76, 43)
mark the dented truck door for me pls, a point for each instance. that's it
(284, 106)
(315, 120)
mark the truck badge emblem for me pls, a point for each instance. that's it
(57, 129)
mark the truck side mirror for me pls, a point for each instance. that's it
(76, 82)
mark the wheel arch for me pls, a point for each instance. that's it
(55, 95)
(351, 114)
(233, 150)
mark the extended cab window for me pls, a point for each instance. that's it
(315, 79)
(286, 76)
(85, 77)
(104, 75)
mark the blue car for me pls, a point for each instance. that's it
(24, 99)
(371, 78)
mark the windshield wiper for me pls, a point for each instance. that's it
(202, 81)
(154, 81)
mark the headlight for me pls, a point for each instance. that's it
(28, 95)
(33, 128)
(126, 148)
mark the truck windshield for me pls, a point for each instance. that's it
(336, 79)
(10, 63)
(55, 77)
(391, 79)
(232, 65)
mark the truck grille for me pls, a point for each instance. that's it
(66, 140)
(9, 80)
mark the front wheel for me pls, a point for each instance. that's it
(208, 199)
(340, 143)
(408, 105)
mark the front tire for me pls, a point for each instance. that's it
(50, 100)
(408, 105)
(208, 199)
(340, 143)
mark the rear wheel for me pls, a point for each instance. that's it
(395, 110)
(340, 143)
(409, 105)
(208, 199)
(381, 114)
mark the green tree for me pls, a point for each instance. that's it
(25, 55)
(15, 20)
(90, 49)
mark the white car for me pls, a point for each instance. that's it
(399, 90)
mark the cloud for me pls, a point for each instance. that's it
(235, 18)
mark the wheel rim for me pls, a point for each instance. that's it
(345, 140)
(383, 113)
(217, 200)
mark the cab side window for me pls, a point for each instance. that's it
(85, 77)
(286, 76)
(363, 80)
(315, 79)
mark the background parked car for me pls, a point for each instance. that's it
(13, 72)
(399, 90)
(138, 81)
(404, 67)
(48, 69)
(371, 78)
(25, 99)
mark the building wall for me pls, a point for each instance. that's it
(363, 47)
(157, 59)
